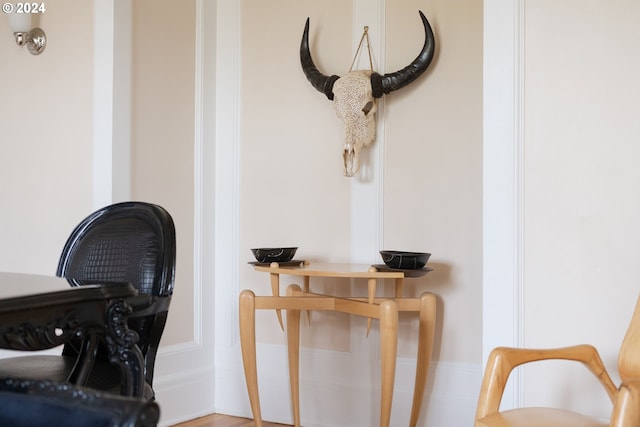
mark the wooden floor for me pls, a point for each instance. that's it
(217, 420)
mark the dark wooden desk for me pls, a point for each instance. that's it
(42, 312)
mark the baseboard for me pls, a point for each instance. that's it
(183, 382)
(353, 399)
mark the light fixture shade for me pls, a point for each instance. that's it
(20, 22)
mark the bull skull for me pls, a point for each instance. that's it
(354, 95)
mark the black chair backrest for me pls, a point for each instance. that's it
(126, 242)
(132, 242)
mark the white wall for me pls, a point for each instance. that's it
(573, 178)
(71, 158)
(559, 103)
(173, 110)
(46, 128)
(172, 166)
(280, 147)
(581, 110)
(77, 136)
(163, 133)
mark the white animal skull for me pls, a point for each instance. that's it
(354, 95)
(356, 106)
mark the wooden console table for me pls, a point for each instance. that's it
(384, 309)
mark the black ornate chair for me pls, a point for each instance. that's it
(34, 403)
(130, 242)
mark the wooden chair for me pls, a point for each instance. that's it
(625, 398)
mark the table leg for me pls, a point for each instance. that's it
(399, 287)
(371, 294)
(426, 336)
(388, 350)
(248, 345)
(275, 291)
(293, 345)
(306, 290)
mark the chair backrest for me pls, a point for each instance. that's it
(131, 242)
(126, 242)
(629, 357)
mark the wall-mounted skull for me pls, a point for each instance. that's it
(354, 95)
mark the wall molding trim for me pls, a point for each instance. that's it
(112, 101)
(184, 378)
(503, 192)
(183, 382)
(367, 188)
(227, 169)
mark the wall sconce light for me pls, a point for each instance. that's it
(34, 38)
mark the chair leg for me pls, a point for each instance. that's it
(84, 361)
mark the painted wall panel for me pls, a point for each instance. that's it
(45, 123)
(581, 204)
(163, 131)
(433, 185)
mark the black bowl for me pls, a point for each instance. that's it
(274, 254)
(405, 260)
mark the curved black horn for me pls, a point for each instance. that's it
(321, 82)
(393, 81)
